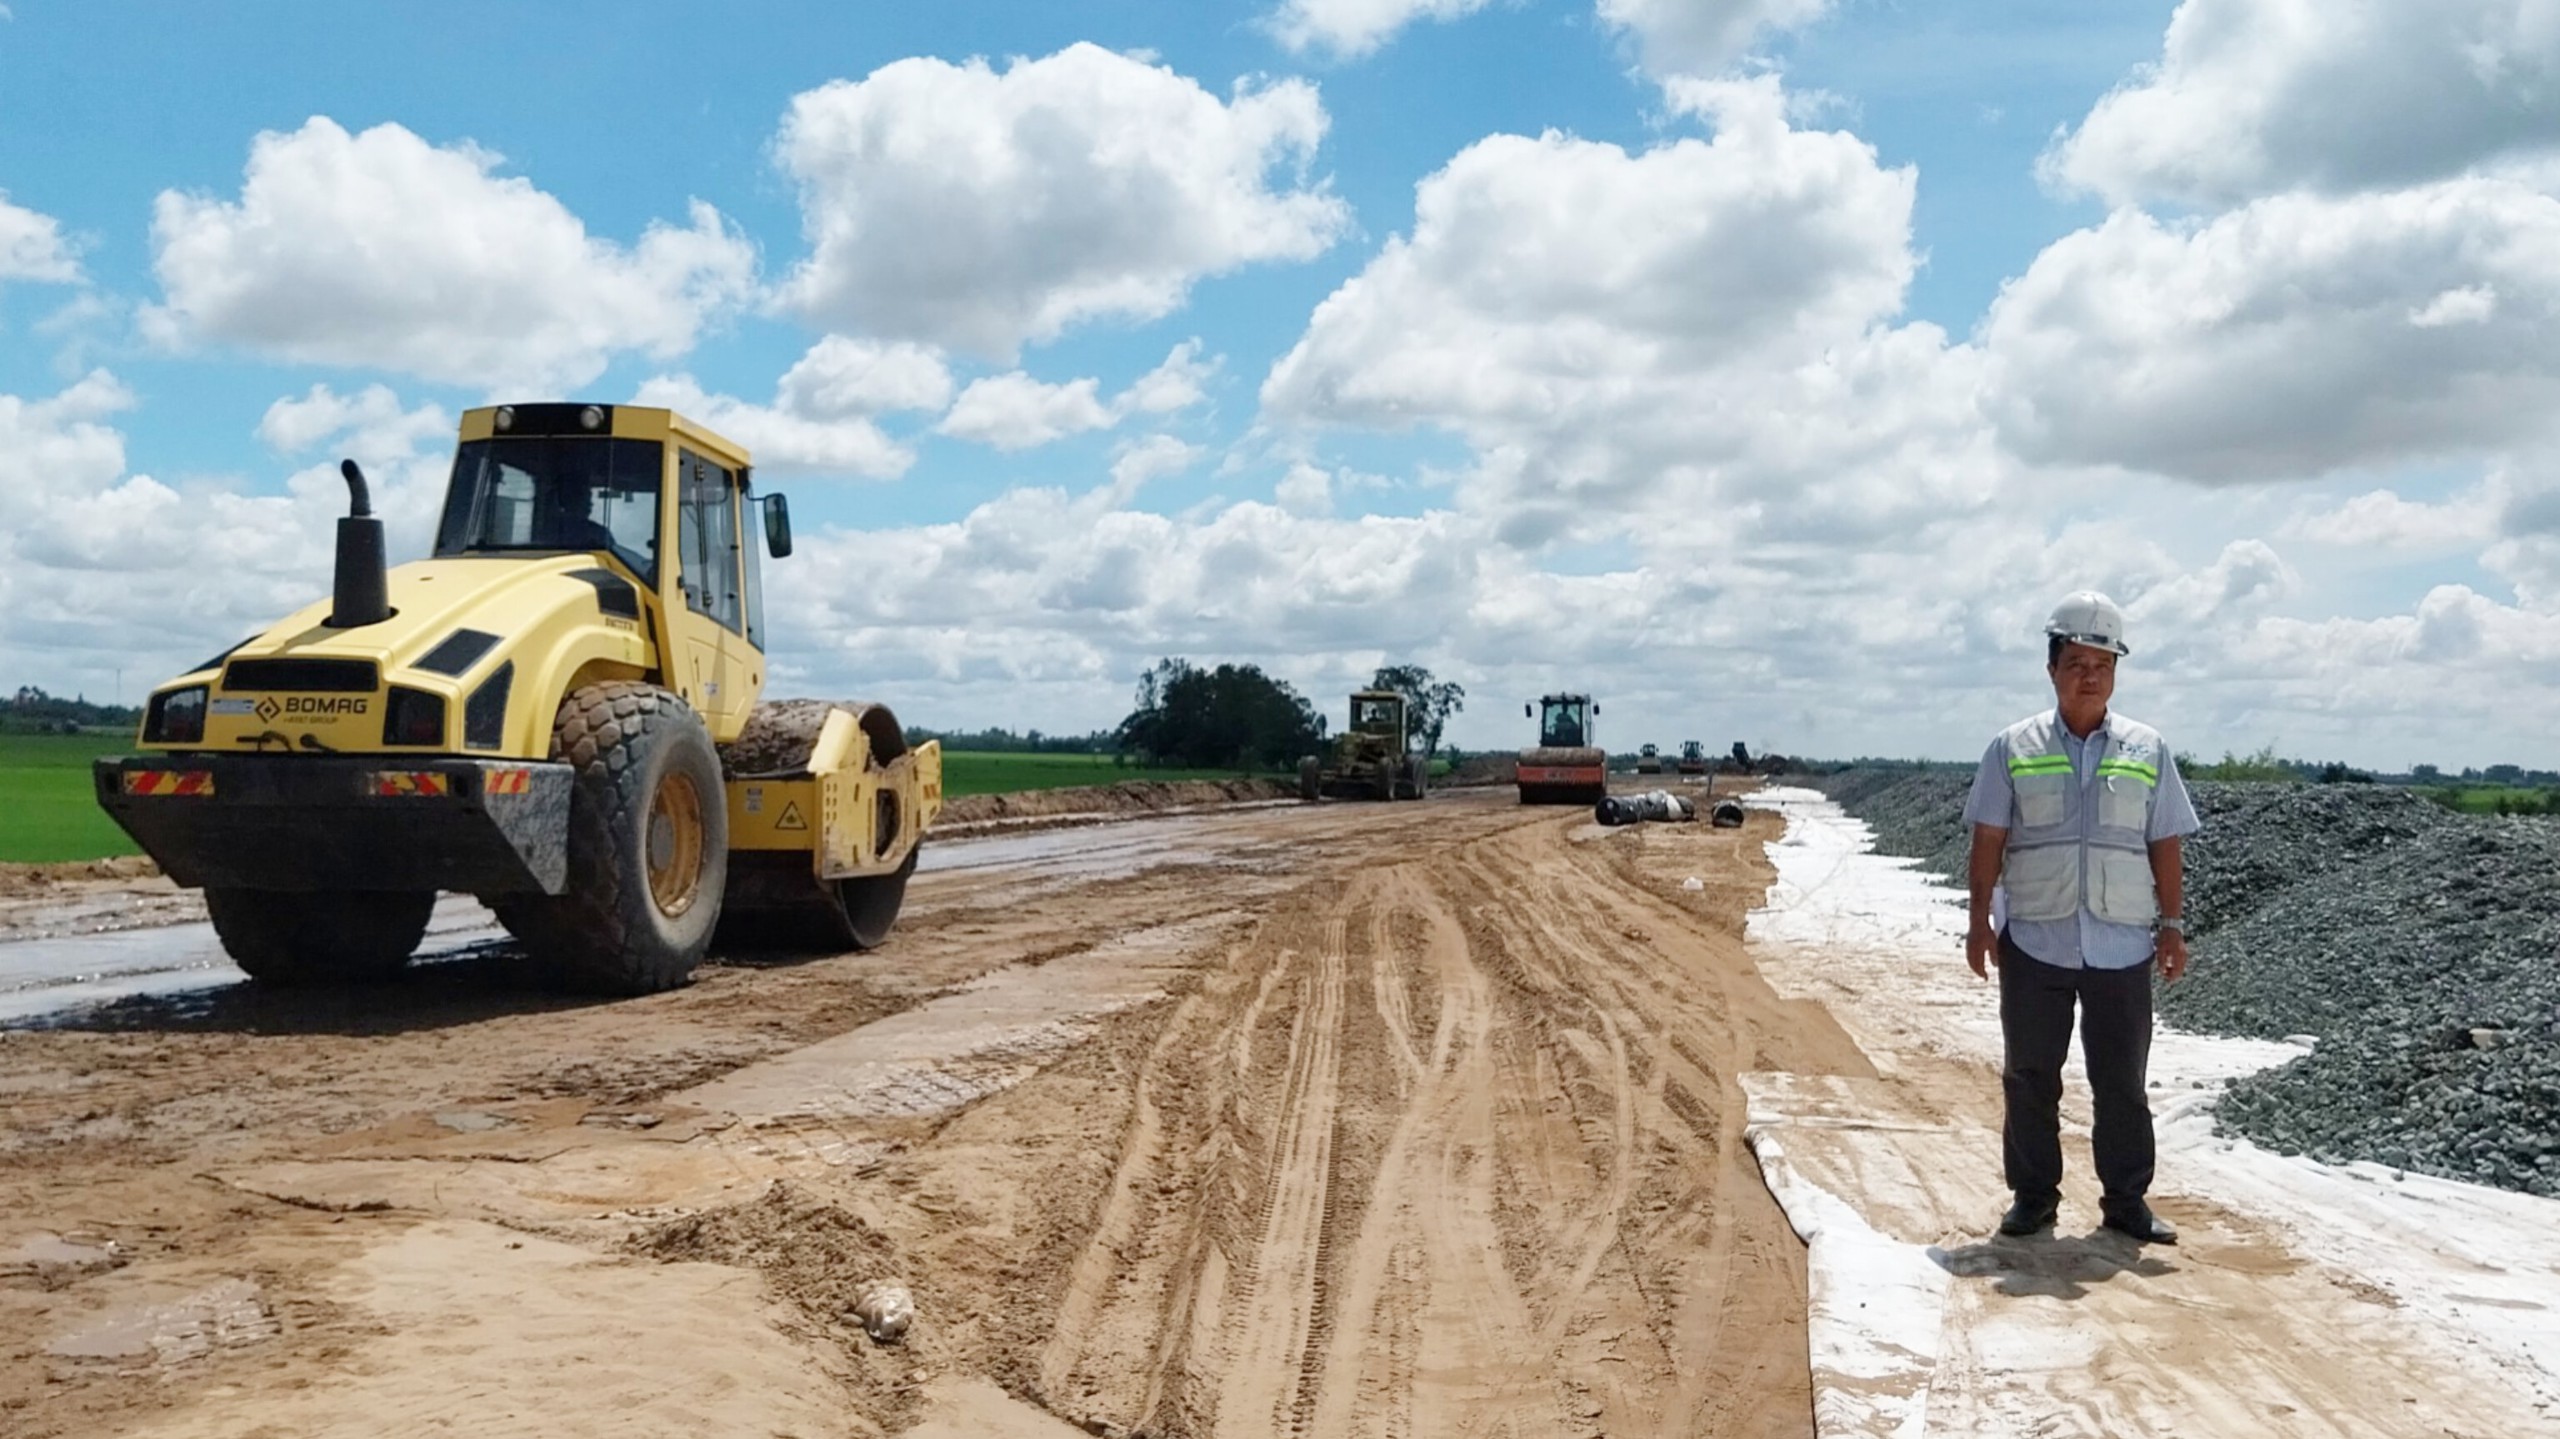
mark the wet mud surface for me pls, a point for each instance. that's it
(1339, 1119)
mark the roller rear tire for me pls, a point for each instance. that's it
(284, 937)
(648, 846)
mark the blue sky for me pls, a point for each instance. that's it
(1767, 366)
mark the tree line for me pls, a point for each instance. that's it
(1237, 717)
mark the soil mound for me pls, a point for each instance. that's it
(1137, 796)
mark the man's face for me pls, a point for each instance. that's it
(2083, 678)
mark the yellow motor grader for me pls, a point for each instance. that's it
(559, 711)
(1372, 758)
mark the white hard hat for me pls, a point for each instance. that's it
(2086, 617)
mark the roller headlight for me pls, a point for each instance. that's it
(175, 717)
(413, 717)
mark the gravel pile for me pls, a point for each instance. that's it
(2420, 948)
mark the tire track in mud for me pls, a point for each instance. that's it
(1501, 1192)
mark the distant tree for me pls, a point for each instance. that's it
(1231, 717)
(2261, 766)
(2425, 774)
(1428, 702)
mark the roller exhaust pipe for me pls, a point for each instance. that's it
(362, 594)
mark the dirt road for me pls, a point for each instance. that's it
(1340, 1120)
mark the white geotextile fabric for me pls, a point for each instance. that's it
(2305, 1299)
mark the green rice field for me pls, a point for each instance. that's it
(967, 772)
(48, 812)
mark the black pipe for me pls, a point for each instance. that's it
(363, 591)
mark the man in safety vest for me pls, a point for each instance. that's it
(2077, 818)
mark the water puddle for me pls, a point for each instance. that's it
(45, 976)
(226, 1316)
(55, 973)
(43, 1253)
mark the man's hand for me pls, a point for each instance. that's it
(2169, 951)
(1982, 948)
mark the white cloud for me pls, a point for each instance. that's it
(782, 438)
(976, 210)
(2383, 520)
(32, 247)
(1306, 490)
(1016, 412)
(2468, 305)
(2294, 336)
(102, 570)
(1142, 462)
(1666, 344)
(1703, 37)
(1353, 28)
(382, 251)
(1177, 384)
(2252, 97)
(841, 376)
(294, 425)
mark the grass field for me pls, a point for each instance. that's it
(2494, 799)
(48, 812)
(967, 772)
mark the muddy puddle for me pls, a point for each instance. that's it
(40, 977)
(54, 971)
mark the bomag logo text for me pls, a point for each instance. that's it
(323, 705)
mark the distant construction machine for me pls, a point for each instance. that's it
(1693, 757)
(1649, 759)
(1371, 759)
(1565, 766)
(558, 711)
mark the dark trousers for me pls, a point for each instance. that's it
(2036, 1001)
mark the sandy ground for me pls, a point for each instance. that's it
(2302, 1300)
(1333, 1120)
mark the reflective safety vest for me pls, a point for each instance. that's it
(2054, 865)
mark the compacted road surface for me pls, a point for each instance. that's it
(1416, 1119)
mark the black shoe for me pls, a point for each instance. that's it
(2029, 1216)
(2137, 1222)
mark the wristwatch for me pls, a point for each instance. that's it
(2174, 923)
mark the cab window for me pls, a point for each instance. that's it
(708, 518)
(555, 494)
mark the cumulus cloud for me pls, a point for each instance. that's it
(976, 209)
(1352, 28)
(2253, 97)
(782, 437)
(103, 569)
(2291, 337)
(2383, 520)
(382, 251)
(1014, 411)
(32, 247)
(842, 377)
(291, 425)
(1638, 341)
(1703, 37)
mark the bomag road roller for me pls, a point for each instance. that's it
(1565, 766)
(1693, 757)
(1371, 759)
(557, 712)
(1649, 759)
